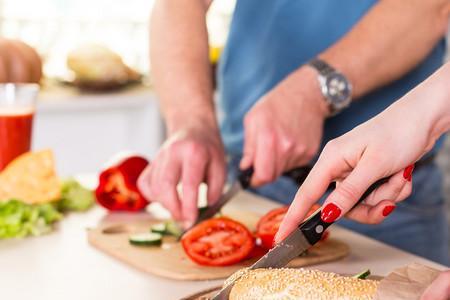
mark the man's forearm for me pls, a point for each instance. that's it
(389, 41)
(180, 65)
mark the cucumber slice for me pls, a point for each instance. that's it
(159, 228)
(146, 239)
(363, 274)
(172, 228)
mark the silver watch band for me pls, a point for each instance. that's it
(328, 78)
(322, 67)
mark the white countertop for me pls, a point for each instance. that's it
(62, 265)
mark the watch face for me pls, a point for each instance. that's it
(338, 89)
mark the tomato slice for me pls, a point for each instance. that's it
(218, 242)
(257, 252)
(269, 224)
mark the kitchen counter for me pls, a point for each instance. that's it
(62, 265)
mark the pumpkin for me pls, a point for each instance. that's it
(19, 62)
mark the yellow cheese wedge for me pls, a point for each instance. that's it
(30, 178)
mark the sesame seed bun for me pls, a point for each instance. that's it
(300, 284)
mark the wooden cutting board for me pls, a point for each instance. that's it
(170, 261)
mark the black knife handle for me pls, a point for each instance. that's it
(298, 175)
(314, 227)
(245, 176)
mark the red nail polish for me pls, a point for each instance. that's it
(407, 173)
(388, 210)
(330, 213)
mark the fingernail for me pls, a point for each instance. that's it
(388, 210)
(330, 213)
(407, 173)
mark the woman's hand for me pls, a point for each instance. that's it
(386, 145)
(19, 62)
(439, 289)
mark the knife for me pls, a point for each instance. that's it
(243, 182)
(303, 237)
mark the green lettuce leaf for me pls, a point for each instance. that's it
(75, 197)
(18, 219)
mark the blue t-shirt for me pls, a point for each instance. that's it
(269, 39)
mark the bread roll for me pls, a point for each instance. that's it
(97, 65)
(300, 284)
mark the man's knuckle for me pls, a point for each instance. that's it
(191, 147)
(287, 145)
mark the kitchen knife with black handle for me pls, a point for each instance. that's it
(303, 237)
(298, 175)
(244, 177)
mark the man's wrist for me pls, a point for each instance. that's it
(309, 86)
(189, 118)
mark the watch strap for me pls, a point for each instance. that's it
(322, 67)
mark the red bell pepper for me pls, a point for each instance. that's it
(117, 189)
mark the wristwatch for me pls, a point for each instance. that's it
(335, 87)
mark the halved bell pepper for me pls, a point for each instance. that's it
(117, 189)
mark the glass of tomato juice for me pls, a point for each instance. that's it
(17, 106)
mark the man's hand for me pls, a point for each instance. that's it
(190, 156)
(284, 129)
(19, 62)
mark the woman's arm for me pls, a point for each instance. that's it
(383, 146)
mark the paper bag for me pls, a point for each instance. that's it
(406, 283)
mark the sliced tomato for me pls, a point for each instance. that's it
(218, 242)
(257, 252)
(269, 224)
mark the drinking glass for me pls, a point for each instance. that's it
(17, 107)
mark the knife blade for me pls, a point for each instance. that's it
(298, 241)
(212, 210)
(243, 182)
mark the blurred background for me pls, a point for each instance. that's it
(87, 122)
(55, 27)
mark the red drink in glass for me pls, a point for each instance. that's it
(16, 119)
(15, 135)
